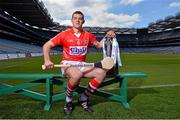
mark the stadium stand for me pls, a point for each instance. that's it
(32, 12)
(13, 49)
(12, 28)
(18, 47)
(19, 25)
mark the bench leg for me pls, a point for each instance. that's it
(123, 92)
(49, 92)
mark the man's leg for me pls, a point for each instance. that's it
(74, 75)
(69, 92)
(97, 75)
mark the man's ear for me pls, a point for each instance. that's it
(83, 21)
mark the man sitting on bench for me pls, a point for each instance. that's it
(75, 42)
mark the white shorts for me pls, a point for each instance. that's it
(81, 68)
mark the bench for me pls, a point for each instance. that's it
(56, 79)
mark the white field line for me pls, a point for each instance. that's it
(148, 86)
(11, 66)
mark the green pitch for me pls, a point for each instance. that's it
(156, 96)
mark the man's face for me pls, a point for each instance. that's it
(77, 20)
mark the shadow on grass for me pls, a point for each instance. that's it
(135, 88)
(132, 93)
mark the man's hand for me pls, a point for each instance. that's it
(110, 34)
(49, 65)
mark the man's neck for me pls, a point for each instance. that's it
(77, 30)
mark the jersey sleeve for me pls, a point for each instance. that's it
(58, 39)
(92, 38)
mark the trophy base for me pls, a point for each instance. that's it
(113, 71)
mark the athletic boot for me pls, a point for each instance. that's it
(68, 108)
(85, 105)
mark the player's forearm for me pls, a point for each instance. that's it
(98, 44)
(101, 44)
(46, 52)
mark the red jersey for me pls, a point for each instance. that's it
(74, 48)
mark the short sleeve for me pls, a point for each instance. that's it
(92, 38)
(58, 39)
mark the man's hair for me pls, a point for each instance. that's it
(78, 12)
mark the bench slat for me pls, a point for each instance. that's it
(56, 79)
(132, 75)
(28, 76)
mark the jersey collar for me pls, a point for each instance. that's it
(71, 29)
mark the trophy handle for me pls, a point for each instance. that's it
(108, 46)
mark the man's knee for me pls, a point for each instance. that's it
(76, 76)
(74, 73)
(75, 79)
(100, 73)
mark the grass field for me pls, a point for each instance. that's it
(156, 96)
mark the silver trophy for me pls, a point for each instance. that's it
(108, 51)
(108, 46)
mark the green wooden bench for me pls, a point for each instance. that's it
(55, 79)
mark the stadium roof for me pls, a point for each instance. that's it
(99, 29)
(32, 12)
(169, 23)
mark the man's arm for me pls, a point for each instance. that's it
(46, 51)
(98, 44)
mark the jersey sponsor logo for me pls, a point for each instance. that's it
(78, 50)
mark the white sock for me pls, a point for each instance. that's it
(68, 99)
(83, 97)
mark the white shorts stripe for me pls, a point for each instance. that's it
(72, 63)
